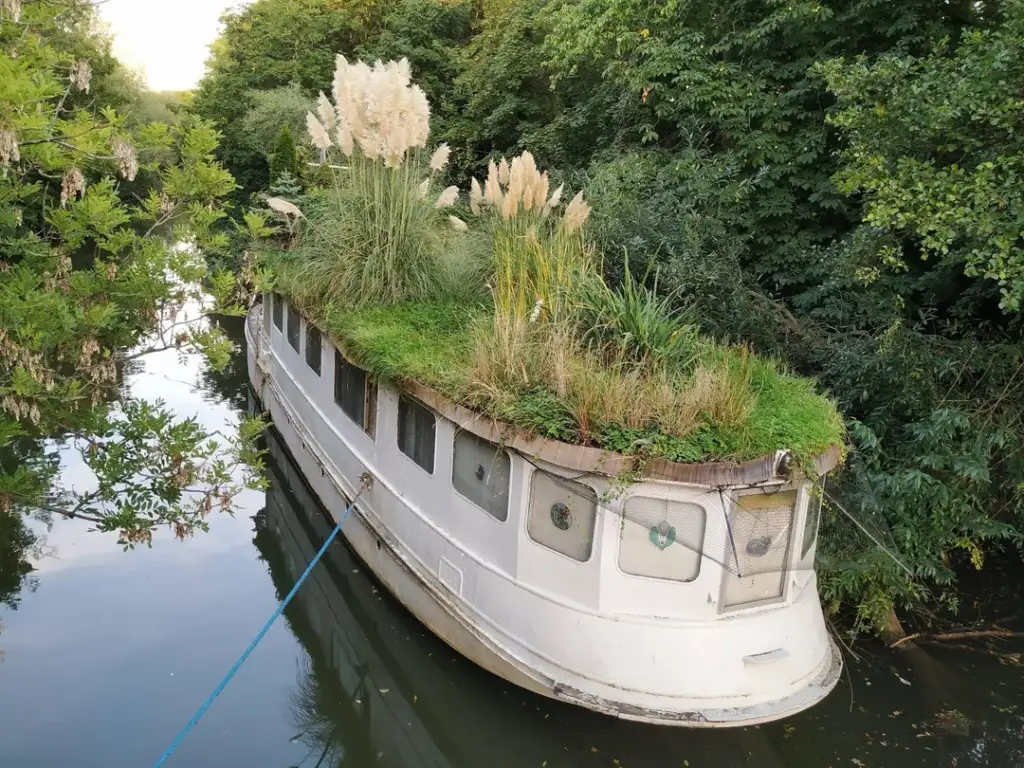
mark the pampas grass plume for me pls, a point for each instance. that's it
(440, 157)
(447, 197)
(576, 213)
(476, 197)
(492, 188)
(554, 200)
(325, 110)
(318, 135)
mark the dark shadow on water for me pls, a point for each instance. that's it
(380, 689)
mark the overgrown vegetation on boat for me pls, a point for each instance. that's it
(500, 303)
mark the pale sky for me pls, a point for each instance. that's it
(166, 39)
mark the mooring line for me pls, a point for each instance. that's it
(252, 646)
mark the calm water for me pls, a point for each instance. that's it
(112, 652)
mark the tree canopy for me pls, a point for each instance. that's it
(104, 221)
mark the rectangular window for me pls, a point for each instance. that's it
(355, 393)
(417, 429)
(562, 515)
(480, 472)
(313, 348)
(662, 539)
(294, 329)
(814, 502)
(277, 303)
(760, 525)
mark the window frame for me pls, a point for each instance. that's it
(787, 558)
(313, 332)
(528, 516)
(497, 450)
(409, 400)
(664, 579)
(296, 341)
(369, 395)
(277, 310)
(815, 497)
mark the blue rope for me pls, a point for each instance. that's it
(252, 646)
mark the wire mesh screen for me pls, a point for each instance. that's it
(662, 538)
(760, 526)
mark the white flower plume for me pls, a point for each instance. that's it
(440, 157)
(318, 135)
(325, 110)
(283, 206)
(448, 197)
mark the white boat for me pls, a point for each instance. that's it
(684, 594)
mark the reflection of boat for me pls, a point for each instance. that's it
(348, 702)
(688, 599)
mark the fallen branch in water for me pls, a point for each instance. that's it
(963, 635)
(1012, 658)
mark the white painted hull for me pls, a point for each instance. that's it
(605, 652)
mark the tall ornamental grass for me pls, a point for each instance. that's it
(384, 234)
(538, 252)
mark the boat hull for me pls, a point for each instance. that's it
(430, 597)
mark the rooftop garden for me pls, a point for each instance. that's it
(495, 297)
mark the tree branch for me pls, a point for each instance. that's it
(71, 514)
(962, 635)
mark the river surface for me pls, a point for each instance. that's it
(110, 653)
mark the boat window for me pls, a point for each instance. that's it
(480, 472)
(662, 538)
(313, 348)
(417, 429)
(760, 525)
(356, 394)
(294, 328)
(562, 515)
(278, 307)
(814, 502)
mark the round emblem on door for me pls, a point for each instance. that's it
(561, 516)
(663, 535)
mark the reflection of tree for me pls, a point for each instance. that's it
(334, 724)
(229, 384)
(17, 543)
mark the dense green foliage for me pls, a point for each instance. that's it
(284, 158)
(103, 220)
(835, 182)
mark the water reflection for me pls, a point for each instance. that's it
(379, 689)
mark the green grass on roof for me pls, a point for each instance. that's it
(432, 343)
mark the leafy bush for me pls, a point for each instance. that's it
(284, 159)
